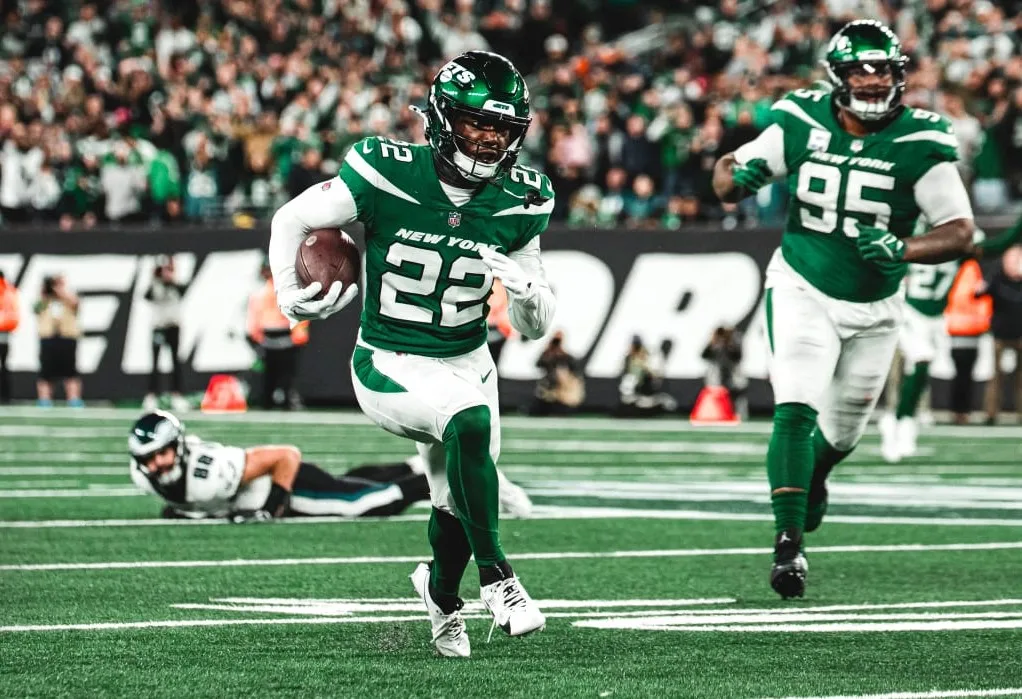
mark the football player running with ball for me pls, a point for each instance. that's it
(861, 168)
(442, 221)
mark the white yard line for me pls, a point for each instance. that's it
(209, 622)
(560, 555)
(6, 471)
(595, 424)
(541, 513)
(96, 492)
(936, 694)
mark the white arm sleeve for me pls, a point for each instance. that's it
(532, 315)
(319, 206)
(769, 146)
(941, 195)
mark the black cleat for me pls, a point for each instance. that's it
(817, 506)
(788, 574)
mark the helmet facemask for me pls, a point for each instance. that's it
(152, 434)
(866, 51)
(477, 117)
(493, 152)
(873, 102)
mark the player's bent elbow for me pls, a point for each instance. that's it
(283, 218)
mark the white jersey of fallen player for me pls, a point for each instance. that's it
(212, 480)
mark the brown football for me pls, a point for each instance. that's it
(328, 255)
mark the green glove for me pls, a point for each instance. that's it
(880, 248)
(752, 175)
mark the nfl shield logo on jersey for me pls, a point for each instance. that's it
(818, 139)
(454, 219)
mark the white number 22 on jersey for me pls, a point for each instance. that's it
(819, 186)
(456, 305)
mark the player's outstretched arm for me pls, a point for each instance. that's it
(531, 302)
(325, 205)
(994, 247)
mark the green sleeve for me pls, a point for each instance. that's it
(996, 246)
(536, 223)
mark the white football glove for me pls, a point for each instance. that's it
(298, 304)
(509, 272)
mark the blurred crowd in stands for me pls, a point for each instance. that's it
(138, 110)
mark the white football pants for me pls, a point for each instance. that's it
(829, 354)
(919, 336)
(415, 397)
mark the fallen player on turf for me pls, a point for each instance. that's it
(199, 479)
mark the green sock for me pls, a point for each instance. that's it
(472, 477)
(912, 388)
(450, 552)
(825, 457)
(790, 463)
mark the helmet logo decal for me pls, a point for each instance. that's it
(499, 107)
(453, 71)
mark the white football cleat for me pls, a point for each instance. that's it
(514, 501)
(513, 610)
(179, 404)
(889, 445)
(908, 433)
(449, 633)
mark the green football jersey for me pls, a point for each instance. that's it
(426, 287)
(928, 286)
(838, 180)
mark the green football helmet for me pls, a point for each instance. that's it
(153, 432)
(487, 89)
(868, 45)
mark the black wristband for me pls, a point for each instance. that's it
(277, 500)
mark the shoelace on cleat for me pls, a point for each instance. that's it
(514, 598)
(454, 623)
(514, 595)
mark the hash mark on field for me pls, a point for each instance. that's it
(566, 555)
(950, 694)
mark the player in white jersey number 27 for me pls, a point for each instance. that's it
(861, 168)
(441, 222)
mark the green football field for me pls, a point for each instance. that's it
(648, 551)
